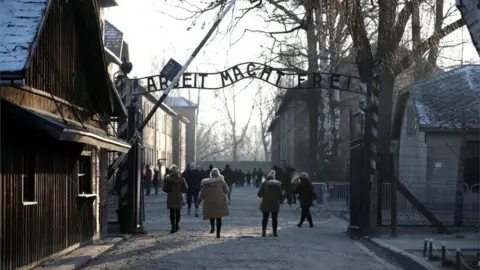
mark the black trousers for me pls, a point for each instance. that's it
(287, 194)
(192, 195)
(175, 216)
(306, 214)
(274, 220)
(219, 222)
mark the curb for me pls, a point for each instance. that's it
(78, 261)
(412, 259)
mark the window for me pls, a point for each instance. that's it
(411, 121)
(28, 178)
(84, 171)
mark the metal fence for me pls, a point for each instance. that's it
(438, 197)
(332, 197)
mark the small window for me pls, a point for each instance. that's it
(411, 121)
(29, 183)
(84, 175)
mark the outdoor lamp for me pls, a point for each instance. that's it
(126, 66)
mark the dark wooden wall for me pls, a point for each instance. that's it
(56, 66)
(60, 218)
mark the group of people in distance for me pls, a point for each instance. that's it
(215, 190)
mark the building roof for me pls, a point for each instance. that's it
(142, 89)
(113, 39)
(180, 102)
(20, 21)
(450, 100)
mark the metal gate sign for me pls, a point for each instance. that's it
(170, 69)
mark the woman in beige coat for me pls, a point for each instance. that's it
(214, 192)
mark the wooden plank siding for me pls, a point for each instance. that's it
(57, 66)
(59, 218)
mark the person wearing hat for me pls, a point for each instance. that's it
(306, 195)
(193, 178)
(175, 186)
(215, 202)
(271, 193)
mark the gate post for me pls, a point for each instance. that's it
(370, 186)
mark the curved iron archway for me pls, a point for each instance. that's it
(254, 70)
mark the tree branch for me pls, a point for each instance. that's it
(420, 50)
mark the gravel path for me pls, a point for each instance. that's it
(326, 246)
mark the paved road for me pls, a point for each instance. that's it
(326, 246)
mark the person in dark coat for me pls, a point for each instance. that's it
(175, 186)
(287, 185)
(156, 180)
(210, 168)
(259, 177)
(271, 193)
(248, 176)
(193, 178)
(229, 179)
(203, 173)
(242, 178)
(306, 196)
(147, 179)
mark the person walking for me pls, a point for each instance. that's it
(248, 175)
(210, 168)
(306, 196)
(295, 182)
(193, 178)
(147, 179)
(271, 193)
(287, 185)
(214, 195)
(258, 179)
(156, 180)
(175, 186)
(229, 177)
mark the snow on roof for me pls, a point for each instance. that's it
(450, 100)
(180, 102)
(19, 23)
(113, 39)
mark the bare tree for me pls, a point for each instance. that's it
(236, 133)
(267, 106)
(210, 142)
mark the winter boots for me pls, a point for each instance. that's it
(196, 212)
(219, 226)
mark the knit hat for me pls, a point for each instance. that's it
(272, 174)
(304, 175)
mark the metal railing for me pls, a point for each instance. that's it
(332, 197)
(438, 197)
